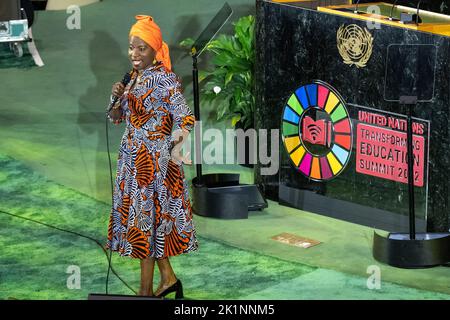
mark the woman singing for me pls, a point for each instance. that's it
(151, 217)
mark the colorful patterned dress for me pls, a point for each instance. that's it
(151, 213)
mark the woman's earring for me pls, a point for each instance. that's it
(154, 61)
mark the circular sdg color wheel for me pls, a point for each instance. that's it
(317, 131)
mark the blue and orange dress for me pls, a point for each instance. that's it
(151, 214)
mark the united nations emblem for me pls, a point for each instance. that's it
(354, 44)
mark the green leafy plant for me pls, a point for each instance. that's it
(230, 85)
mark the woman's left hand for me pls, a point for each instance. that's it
(179, 137)
(180, 159)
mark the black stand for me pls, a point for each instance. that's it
(412, 250)
(218, 195)
(99, 296)
(198, 147)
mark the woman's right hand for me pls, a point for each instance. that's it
(118, 89)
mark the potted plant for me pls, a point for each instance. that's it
(229, 84)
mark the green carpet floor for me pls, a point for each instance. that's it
(35, 259)
(54, 168)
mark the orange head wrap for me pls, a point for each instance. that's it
(146, 29)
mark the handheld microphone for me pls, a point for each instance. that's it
(126, 78)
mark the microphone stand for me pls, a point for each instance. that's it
(356, 7)
(392, 10)
(410, 102)
(198, 149)
(417, 14)
(196, 50)
(218, 195)
(412, 249)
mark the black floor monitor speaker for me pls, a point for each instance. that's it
(102, 296)
(39, 4)
(222, 196)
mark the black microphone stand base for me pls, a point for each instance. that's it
(221, 196)
(399, 250)
(102, 296)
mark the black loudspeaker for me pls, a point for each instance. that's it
(39, 4)
(102, 296)
(9, 10)
(222, 196)
(27, 6)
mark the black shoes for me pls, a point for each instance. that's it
(177, 287)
